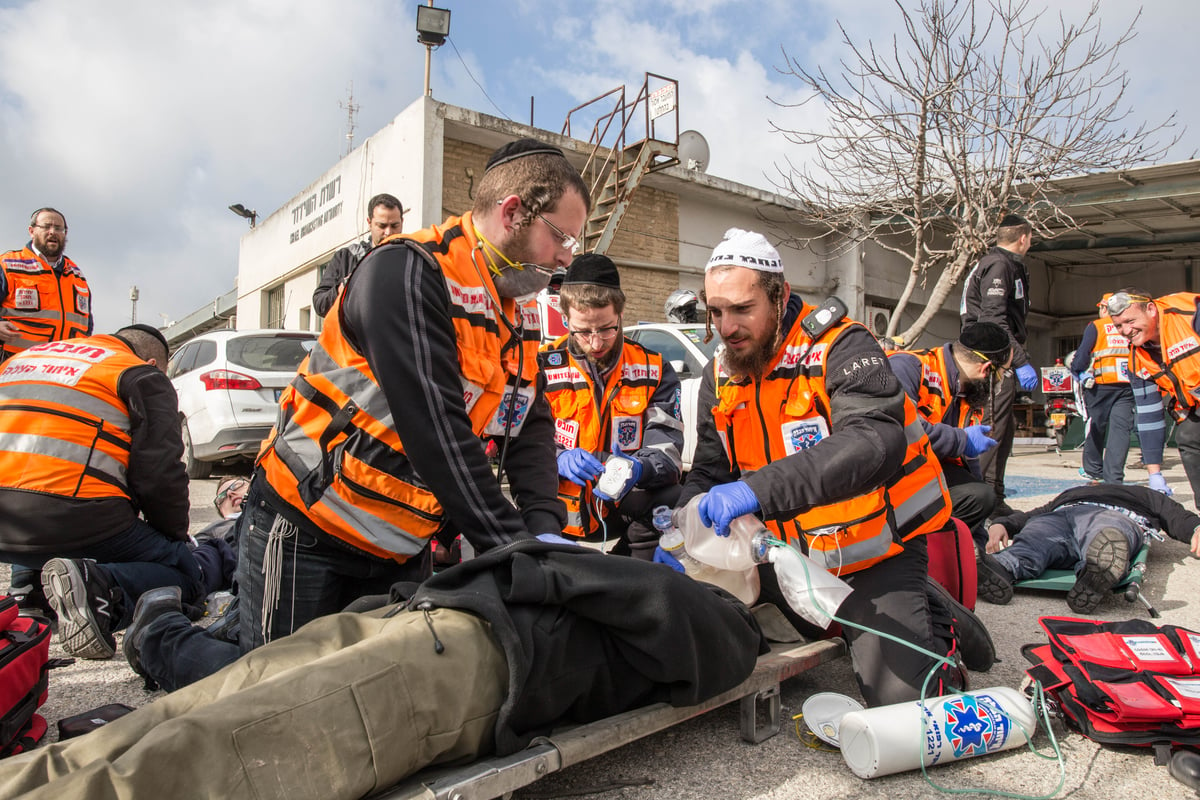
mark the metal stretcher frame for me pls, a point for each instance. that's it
(497, 776)
(1061, 580)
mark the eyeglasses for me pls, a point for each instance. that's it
(1123, 300)
(224, 493)
(987, 361)
(603, 334)
(568, 241)
(51, 228)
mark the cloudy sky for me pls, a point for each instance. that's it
(143, 120)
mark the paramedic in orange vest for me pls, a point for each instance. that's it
(1101, 365)
(43, 295)
(950, 387)
(610, 396)
(1164, 361)
(803, 423)
(380, 438)
(92, 489)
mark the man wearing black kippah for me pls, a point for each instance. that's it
(997, 290)
(610, 396)
(950, 386)
(380, 440)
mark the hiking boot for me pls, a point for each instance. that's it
(972, 642)
(86, 600)
(995, 582)
(1105, 563)
(150, 606)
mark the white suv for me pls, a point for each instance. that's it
(229, 384)
(683, 345)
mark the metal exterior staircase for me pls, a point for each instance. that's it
(616, 166)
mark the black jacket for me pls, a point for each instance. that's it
(589, 635)
(337, 271)
(1172, 518)
(997, 290)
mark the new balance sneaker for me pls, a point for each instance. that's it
(972, 642)
(1105, 563)
(150, 606)
(995, 581)
(85, 598)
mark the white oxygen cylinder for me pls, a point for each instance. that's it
(888, 739)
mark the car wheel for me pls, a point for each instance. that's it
(195, 469)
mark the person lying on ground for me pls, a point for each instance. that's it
(1093, 530)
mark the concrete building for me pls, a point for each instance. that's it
(1138, 227)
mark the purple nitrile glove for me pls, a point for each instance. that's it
(723, 504)
(1159, 484)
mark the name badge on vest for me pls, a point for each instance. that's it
(471, 394)
(83, 303)
(26, 299)
(566, 433)
(626, 433)
(802, 434)
(520, 400)
(1123, 371)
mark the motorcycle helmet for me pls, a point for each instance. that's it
(682, 306)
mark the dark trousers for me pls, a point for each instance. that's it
(138, 559)
(316, 575)
(971, 500)
(999, 414)
(1187, 436)
(1110, 423)
(891, 597)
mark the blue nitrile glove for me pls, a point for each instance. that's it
(579, 466)
(1159, 484)
(978, 441)
(663, 557)
(1027, 376)
(725, 503)
(554, 538)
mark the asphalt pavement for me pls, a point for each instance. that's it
(706, 758)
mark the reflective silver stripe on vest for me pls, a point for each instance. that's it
(839, 558)
(375, 530)
(365, 392)
(82, 455)
(929, 495)
(65, 395)
(574, 518)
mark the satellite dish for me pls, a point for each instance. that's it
(693, 151)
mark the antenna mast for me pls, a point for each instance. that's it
(351, 109)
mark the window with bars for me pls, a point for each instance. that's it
(275, 308)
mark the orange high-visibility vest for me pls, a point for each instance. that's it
(44, 306)
(1110, 355)
(579, 422)
(334, 458)
(934, 400)
(1180, 375)
(63, 428)
(792, 408)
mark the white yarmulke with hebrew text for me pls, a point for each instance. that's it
(747, 249)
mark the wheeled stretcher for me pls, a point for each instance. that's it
(497, 776)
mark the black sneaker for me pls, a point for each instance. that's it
(972, 642)
(32, 603)
(150, 606)
(85, 599)
(1105, 563)
(995, 581)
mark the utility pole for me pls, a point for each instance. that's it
(351, 109)
(133, 298)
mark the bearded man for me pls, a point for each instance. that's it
(950, 386)
(803, 422)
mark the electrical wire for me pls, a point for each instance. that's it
(472, 77)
